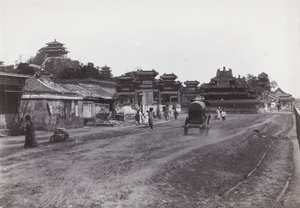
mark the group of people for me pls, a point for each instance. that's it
(167, 113)
(145, 118)
(148, 117)
(221, 114)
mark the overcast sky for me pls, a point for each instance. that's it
(190, 38)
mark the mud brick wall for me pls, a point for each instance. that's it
(51, 114)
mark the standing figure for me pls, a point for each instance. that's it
(30, 135)
(137, 117)
(158, 112)
(278, 106)
(208, 117)
(223, 115)
(218, 111)
(151, 118)
(175, 114)
(166, 113)
(146, 117)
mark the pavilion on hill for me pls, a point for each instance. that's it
(230, 93)
(54, 49)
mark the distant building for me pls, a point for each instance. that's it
(143, 89)
(281, 97)
(11, 86)
(230, 93)
(169, 88)
(191, 90)
(66, 103)
(54, 49)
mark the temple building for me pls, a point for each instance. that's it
(230, 93)
(281, 97)
(169, 89)
(143, 89)
(54, 49)
(191, 90)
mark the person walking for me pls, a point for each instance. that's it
(166, 112)
(208, 117)
(223, 115)
(138, 118)
(278, 106)
(146, 118)
(151, 118)
(30, 140)
(175, 114)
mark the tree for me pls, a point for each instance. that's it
(38, 59)
(24, 68)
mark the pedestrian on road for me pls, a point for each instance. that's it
(278, 106)
(208, 117)
(29, 135)
(137, 117)
(223, 115)
(151, 118)
(218, 111)
(146, 118)
(166, 113)
(175, 114)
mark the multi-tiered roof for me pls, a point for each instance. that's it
(54, 49)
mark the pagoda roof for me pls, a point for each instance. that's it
(190, 82)
(148, 72)
(54, 47)
(281, 95)
(168, 76)
(125, 77)
(105, 67)
(279, 91)
(54, 43)
(223, 74)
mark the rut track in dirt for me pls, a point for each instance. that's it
(143, 168)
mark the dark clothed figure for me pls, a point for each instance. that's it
(278, 106)
(138, 118)
(208, 118)
(175, 114)
(30, 135)
(166, 113)
(151, 118)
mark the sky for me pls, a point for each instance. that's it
(190, 38)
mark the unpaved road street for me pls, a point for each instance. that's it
(244, 162)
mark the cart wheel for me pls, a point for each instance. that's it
(185, 130)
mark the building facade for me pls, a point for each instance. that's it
(143, 89)
(11, 86)
(230, 93)
(280, 97)
(191, 90)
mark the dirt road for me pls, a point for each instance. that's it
(244, 162)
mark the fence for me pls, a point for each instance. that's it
(297, 115)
